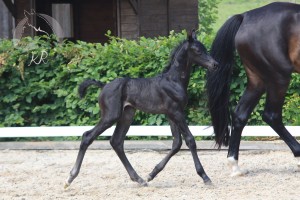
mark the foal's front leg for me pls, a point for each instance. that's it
(177, 142)
(179, 120)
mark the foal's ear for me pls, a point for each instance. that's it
(192, 36)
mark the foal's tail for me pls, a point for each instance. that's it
(85, 84)
(218, 81)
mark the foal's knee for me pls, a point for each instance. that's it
(86, 140)
(177, 145)
(190, 142)
(116, 144)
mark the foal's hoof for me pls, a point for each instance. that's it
(66, 185)
(149, 178)
(143, 184)
(67, 182)
(207, 181)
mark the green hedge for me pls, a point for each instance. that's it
(46, 93)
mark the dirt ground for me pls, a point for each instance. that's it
(41, 175)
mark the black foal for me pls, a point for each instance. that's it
(163, 94)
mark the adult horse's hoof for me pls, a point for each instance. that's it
(236, 171)
(239, 172)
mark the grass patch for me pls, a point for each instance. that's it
(227, 8)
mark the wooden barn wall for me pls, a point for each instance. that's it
(6, 22)
(157, 17)
(153, 18)
(95, 19)
(129, 24)
(183, 15)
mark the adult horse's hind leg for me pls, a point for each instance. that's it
(255, 89)
(117, 142)
(273, 112)
(177, 142)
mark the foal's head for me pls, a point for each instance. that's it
(197, 53)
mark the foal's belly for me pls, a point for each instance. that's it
(147, 107)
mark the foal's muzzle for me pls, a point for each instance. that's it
(214, 66)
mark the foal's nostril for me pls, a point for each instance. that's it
(215, 65)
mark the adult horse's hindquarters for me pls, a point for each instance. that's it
(268, 41)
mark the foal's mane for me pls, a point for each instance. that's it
(173, 56)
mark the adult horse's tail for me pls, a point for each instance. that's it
(218, 81)
(85, 84)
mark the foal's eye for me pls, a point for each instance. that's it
(199, 52)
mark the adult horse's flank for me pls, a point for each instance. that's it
(268, 41)
(163, 94)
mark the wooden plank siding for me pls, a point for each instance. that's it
(125, 18)
(157, 17)
(153, 18)
(183, 15)
(95, 19)
(6, 20)
(129, 23)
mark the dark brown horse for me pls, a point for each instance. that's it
(267, 40)
(163, 94)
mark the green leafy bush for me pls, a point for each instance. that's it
(45, 93)
(208, 10)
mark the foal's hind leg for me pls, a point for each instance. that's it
(87, 139)
(111, 111)
(117, 142)
(177, 142)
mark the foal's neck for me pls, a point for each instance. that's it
(180, 66)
